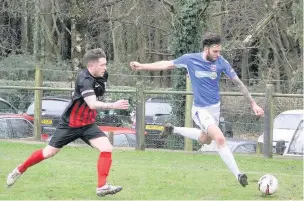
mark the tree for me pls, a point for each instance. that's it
(261, 38)
(190, 19)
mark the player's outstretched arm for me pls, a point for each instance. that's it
(159, 65)
(256, 109)
(94, 104)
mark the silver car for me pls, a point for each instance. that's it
(235, 146)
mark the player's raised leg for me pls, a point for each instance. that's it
(169, 129)
(192, 133)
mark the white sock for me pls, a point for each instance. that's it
(192, 133)
(228, 159)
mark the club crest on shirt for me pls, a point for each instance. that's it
(98, 85)
(213, 67)
(213, 75)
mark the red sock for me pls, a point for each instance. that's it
(35, 158)
(103, 167)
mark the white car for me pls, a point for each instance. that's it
(284, 126)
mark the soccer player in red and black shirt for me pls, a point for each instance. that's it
(78, 121)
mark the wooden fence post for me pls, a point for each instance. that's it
(268, 122)
(38, 104)
(140, 117)
(188, 146)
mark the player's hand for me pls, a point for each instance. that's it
(257, 110)
(121, 105)
(135, 65)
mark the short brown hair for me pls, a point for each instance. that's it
(93, 55)
(211, 39)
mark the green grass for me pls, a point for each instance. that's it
(153, 175)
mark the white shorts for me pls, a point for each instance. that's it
(205, 116)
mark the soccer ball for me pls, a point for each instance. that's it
(268, 184)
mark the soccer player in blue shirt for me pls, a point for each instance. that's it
(205, 69)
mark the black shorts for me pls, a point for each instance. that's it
(65, 134)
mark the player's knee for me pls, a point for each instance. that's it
(102, 144)
(50, 152)
(105, 146)
(220, 141)
(108, 148)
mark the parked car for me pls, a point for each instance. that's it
(7, 108)
(226, 127)
(235, 146)
(115, 118)
(51, 111)
(284, 126)
(15, 126)
(122, 137)
(296, 145)
(53, 107)
(158, 111)
(19, 126)
(177, 142)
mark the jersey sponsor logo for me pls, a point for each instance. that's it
(208, 74)
(213, 67)
(201, 74)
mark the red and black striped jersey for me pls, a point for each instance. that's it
(78, 113)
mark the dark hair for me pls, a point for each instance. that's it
(211, 39)
(93, 55)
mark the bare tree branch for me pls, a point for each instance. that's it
(169, 4)
(282, 48)
(225, 12)
(264, 21)
(111, 3)
(202, 12)
(147, 51)
(110, 18)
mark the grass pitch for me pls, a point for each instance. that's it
(144, 175)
